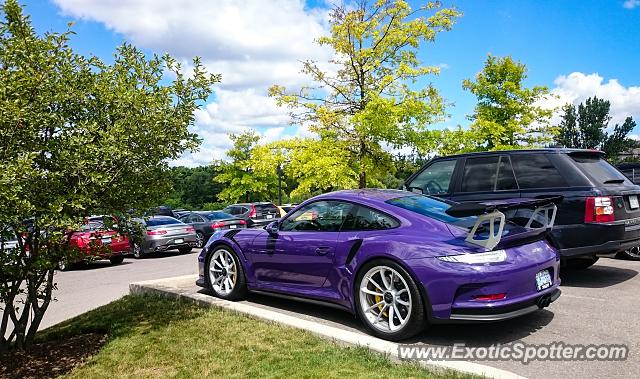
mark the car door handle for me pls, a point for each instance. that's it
(323, 250)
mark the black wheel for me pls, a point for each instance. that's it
(224, 274)
(581, 263)
(200, 240)
(138, 251)
(632, 254)
(185, 249)
(116, 260)
(388, 301)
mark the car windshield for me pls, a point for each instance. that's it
(158, 221)
(218, 216)
(598, 169)
(431, 207)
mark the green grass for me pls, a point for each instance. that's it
(150, 337)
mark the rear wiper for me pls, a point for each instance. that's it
(612, 181)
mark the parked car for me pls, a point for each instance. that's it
(162, 210)
(600, 212)
(254, 214)
(8, 239)
(95, 241)
(398, 260)
(165, 233)
(631, 171)
(206, 223)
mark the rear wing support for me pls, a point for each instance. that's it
(495, 220)
(494, 237)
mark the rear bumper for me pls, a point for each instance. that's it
(169, 243)
(573, 241)
(505, 312)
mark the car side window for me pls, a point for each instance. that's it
(506, 180)
(364, 218)
(479, 174)
(320, 216)
(536, 171)
(485, 174)
(196, 218)
(435, 179)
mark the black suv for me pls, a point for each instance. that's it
(255, 214)
(599, 212)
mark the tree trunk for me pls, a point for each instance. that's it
(363, 180)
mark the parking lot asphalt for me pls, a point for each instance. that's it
(598, 306)
(99, 283)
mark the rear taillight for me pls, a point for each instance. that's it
(80, 242)
(243, 222)
(190, 229)
(156, 232)
(599, 209)
(253, 211)
(491, 297)
(218, 224)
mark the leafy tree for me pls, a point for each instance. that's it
(506, 115)
(193, 187)
(617, 142)
(80, 137)
(585, 127)
(241, 181)
(367, 103)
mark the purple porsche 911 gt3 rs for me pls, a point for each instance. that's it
(398, 260)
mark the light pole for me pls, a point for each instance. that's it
(279, 171)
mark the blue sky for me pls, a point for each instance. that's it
(577, 48)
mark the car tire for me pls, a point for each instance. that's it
(581, 263)
(116, 260)
(138, 251)
(217, 273)
(376, 298)
(185, 250)
(632, 254)
(200, 242)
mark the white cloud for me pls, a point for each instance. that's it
(252, 43)
(577, 87)
(630, 4)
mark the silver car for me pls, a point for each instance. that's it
(165, 233)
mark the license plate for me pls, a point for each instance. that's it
(233, 226)
(543, 280)
(633, 202)
(269, 216)
(178, 240)
(106, 241)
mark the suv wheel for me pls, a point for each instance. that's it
(632, 254)
(138, 251)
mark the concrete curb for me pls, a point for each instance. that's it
(170, 288)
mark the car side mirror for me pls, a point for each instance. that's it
(272, 228)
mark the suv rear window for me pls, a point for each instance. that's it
(598, 169)
(536, 171)
(267, 208)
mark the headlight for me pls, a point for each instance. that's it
(477, 258)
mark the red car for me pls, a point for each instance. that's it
(94, 241)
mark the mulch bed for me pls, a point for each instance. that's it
(52, 358)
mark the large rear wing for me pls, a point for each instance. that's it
(491, 217)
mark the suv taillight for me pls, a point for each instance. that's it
(599, 209)
(253, 211)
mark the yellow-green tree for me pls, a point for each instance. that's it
(507, 115)
(368, 102)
